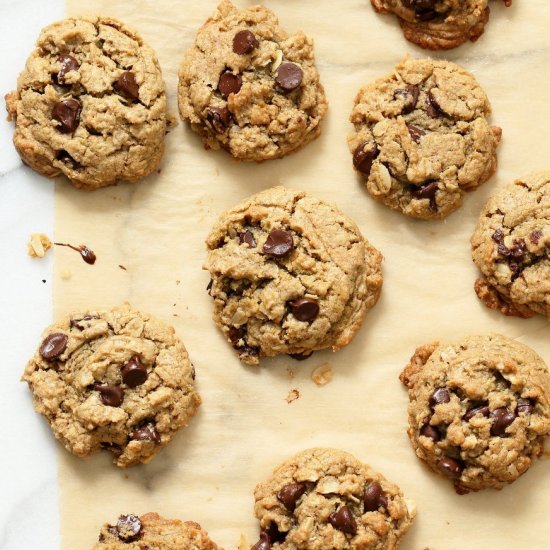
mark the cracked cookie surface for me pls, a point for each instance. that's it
(153, 532)
(479, 409)
(325, 499)
(249, 87)
(439, 24)
(113, 379)
(290, 274)
(511, 248)
(422, 137)
(90, 104)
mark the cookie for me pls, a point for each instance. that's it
(422, 137)
(479, 409)
(90, 104)
(511, 248)
(249, 87)
(113, 379)
(325, 499)
(439, 24)
(290, 274)
(153, 532)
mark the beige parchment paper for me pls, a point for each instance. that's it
(245, 427)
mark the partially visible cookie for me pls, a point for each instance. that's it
(439, 24)
(325, 499)
(479, 409)
(90, 104)
(249, 87)
(153, 532)
(290, 274)
(511, 248)
(422, 137)
(113, 379)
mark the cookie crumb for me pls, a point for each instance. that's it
(290, 372)
(66, 274)
(293, 394)
(38, 245)
(322, 374)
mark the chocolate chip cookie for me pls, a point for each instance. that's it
(479, 409)
(153, 532)
(248, 87)
(90, 104)
(325, 499)
(290, 274)
(113, 379)
(439, 24)
(422, 137)
(511, 248)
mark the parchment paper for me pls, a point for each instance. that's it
(245, 427)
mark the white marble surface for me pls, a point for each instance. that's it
(29, 515)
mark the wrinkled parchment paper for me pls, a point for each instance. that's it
(156, 230)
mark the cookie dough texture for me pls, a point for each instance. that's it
(312, 297)
(325, 499)
(153, 532)
(439, 24)
(113, 379)
(259, 120)
(115, 128)
(422, 137)
(510, 246)
(479, 409)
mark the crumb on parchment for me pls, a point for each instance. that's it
(66, 274)
(38, 245)
(293, 394)
(322, 374)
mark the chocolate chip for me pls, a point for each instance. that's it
(433, 109)
(304, 309)
(439, 396)
(244, 42)
(343, 520)
(134, 372)
(502, 418)
(209, 287)
(410, 95)
(53, 346)
(67, 113)
(415, 132)
(77, 323)
(426, 15)
(300, 356)
(430, 431)
(246, 237)
(112, 396)
(497, 236)
(88, 255)
(450, 467)
(535, 236)
(67, 63)
(525, 406)
(229, 83)
(128, 528)
(278, 243)
(364, 156)
(236, 333)
(374, 497)
(127, 86)
(426, 191)
(289, 76)
(147, 432)
(263, 543)
(290, 494)
(219, 118)
(478, 409)
(65, 158)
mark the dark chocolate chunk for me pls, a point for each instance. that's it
(426, 191)
(127, 86)
(112, 396)
(343, 520)
(219, 117)
(410, 96)
(430, 431)
(236, 333)
(244, 42)
(450, 467)
(525, 406)
(67, 63)
(289, 76)
(502, 418)
(278, 243)
(364, 156)
(415, 132)
(67, 113)
(290, 494)
(535, 236)
(304, 309)
(65, 158)
(53, 346)
(439, 396)
(246, 237)
(134, 372)
(146, 432)
(433, 109)
(374, 497)
(477, 409)
(229, 83)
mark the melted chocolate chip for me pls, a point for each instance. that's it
(65, 158)
(289, 76)
(229, 83)
(430, 431)
(86, 254)
(263, 543)
(450, 467)
(67, 63)
(112, 396)
(246, 237)
(410, 95)
(415, 132)
(477, 409)
(209, 287)
(77, 323)
(219, 117)
(364, 156)
(439, 396)
(374, 497)
(535, 236)
(427, 191)
(147, 432)
(290, 494)
(343, 520)
(236, 333)
(304, 309)
(525, 406)
(127, 86)
(502, 418)
(134, 372)
(278, 243)
(300, 356)
(128, 528)
(244, 42)
(433, 109)
(53, 346)
(67, 113)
